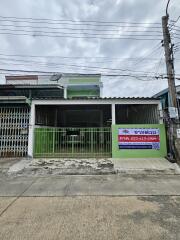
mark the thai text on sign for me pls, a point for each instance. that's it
(138, 138)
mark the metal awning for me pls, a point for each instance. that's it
(30, 86)
(13, 99)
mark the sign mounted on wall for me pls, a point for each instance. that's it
(139, 138)
(178, 133)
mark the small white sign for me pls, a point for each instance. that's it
(173, 112)
(178, 133)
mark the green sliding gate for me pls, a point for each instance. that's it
(72, 142)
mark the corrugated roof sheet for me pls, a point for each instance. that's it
(101, 98)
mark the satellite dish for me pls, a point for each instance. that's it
(56, 77)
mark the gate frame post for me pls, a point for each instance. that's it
(31, 131)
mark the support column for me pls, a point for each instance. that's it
(113, 113)
(31, 131)
(101, 90)
(65, 91)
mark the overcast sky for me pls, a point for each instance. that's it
(89, 55)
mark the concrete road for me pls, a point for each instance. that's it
(134, 207)
(102, 185)
(91, 218)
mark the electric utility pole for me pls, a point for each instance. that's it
(169, 65)
(172, 99)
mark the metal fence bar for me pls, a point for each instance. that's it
(14, 123)
(72, 142)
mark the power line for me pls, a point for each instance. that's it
(167, 7)
(100, 69)
(177, 42)
(103, 74)
(83, 21)
(84, 57)
(153, 50)
(79, 33)
(159, 64)
(80, 29)
(104, 61)
(176, 34)
(78, 57)
(175, 37)
(141, 78)
(81, 24)
(174, 22)
(80, 37)
(75, 65)
(175, 27)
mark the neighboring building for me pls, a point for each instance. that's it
(65, 115)
(164, 96)
(74, 85)
(171, 118)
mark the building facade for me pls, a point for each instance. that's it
(65, 115)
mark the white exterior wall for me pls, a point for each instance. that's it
(111, 102)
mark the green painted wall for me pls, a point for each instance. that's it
(138, 153)
(85, 80)
(78, 93)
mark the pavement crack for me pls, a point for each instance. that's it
(9, 205)
(67, 188)
(20, 195)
